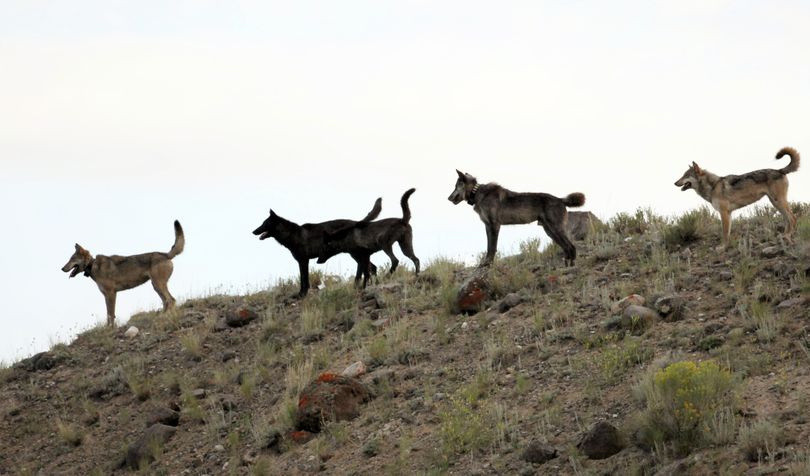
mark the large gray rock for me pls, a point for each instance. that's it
(638, 319)
(581, 224)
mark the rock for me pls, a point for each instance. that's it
(797, 301)
(601, 441)
(228, 355)
(143, 449)
(538, 452)
(301, 436)
(621, 305)
(581, 224)
(355, 370)
(381, 322)
(509, 301)
(771, 251)
(371, 299)
(131, 332)
(164, 416)
(198, 393)
(329, 397)
(612, 323)
(227, 402)
(219, 448)
(671, 307)
(638, 319)
(725, 275)
(40, 361)
(472, 294)
(240, 317)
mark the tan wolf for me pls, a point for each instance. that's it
(117, 273)
(730, 192)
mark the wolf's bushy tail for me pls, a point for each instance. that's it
(179, 240)
(574, 200)
(406, 211)
(794, 159)
(374, 213)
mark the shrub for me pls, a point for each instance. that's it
(682, 401)
(760, 439)
(69, 433)
(803, 228)
(625, 224)
(686, 229)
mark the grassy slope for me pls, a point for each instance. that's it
(456, 394)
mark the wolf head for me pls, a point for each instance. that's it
(690, 178)
(78, 262)
(464, 187)
(268, 227)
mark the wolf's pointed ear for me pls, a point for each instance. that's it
(79, 247)
(697, 168)
(272, 213)
(460, 174)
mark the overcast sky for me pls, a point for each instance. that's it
(118, 117)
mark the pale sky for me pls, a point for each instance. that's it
(118, 117)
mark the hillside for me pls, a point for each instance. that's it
(553, 352)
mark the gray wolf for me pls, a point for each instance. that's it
(498, 206)
(730, 192)
(366, 238)
(117, 273)
(306, 241)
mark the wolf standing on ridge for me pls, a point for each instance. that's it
(366, 238)
(730, 192)
(498, 206)
(306, 241)
(118, 273)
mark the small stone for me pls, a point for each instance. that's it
(228, 355)
(612, 323)
(671, 307)
(601, 441)
(143, 449)
(219, 448)
(131, 332)
(622, 304)
(163, 415)
(227, 402)
(538, 453)
(240, 317)
(380, 322)
(509, 301)
(355, 370)
(791, 302)
(198, 393)
(771, 251)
